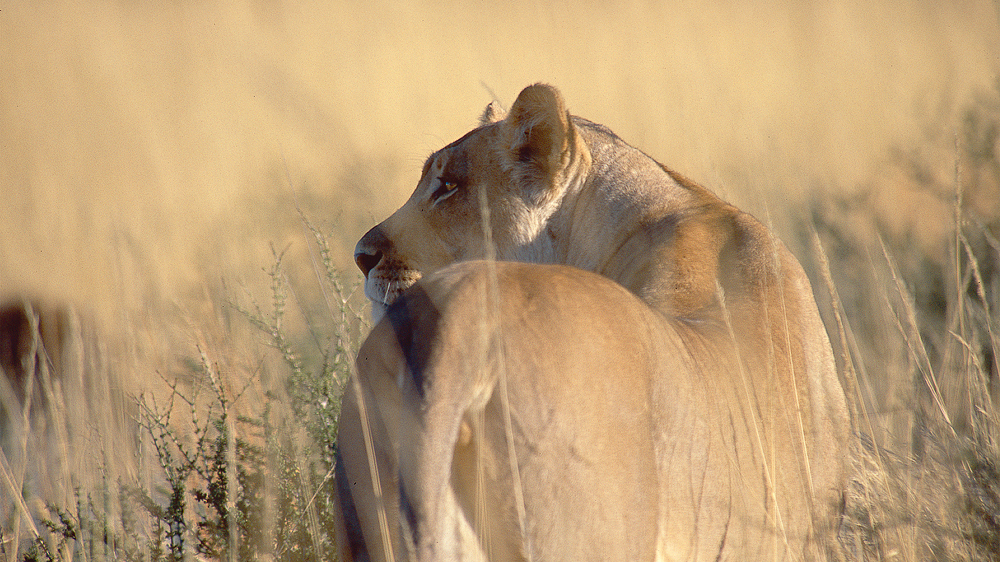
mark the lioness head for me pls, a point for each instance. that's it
(491, 193)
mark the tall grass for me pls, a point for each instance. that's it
(225, 465)
(913, 309)
(121, 124)
(234, 460)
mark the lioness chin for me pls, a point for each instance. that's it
(663, 390)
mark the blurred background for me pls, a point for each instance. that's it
(156, 157)
(149, 148)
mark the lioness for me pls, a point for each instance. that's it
(663, 390)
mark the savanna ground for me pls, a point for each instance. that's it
(183, 183)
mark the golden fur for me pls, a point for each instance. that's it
(664, 389)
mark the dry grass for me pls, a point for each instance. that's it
(151, 156)
(915, 307)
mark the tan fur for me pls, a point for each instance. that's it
(664, 391)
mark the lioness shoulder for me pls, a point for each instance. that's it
(664, 383)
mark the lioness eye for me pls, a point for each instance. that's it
(444, 191)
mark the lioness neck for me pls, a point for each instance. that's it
(617, 218)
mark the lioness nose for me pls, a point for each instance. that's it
(367, 262)
(369, 251)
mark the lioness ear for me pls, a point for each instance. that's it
(492, 114)
(538, 131)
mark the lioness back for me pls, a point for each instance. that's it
(667, 393)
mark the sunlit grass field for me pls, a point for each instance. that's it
(182, 185)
